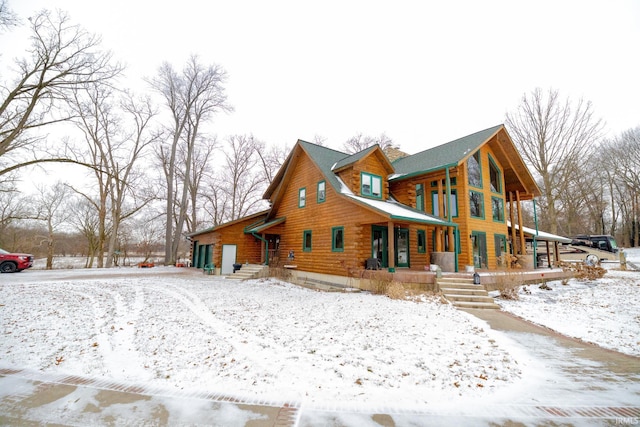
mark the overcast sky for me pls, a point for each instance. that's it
(423, 72)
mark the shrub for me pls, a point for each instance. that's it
(379, 281)
(395, 290)
(508, 284)
(583, 271)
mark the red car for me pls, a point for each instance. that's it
(11, 263)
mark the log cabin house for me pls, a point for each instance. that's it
(335, 214)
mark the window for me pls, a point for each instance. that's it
(474, 171)
(370, 185)
(475, 204)
(495, 177)
(322, 191)
(452, 181)
(497, 208)
(500, 244)
(337, 239)
(453, 202)
(306, 241)
(420, 197)
(422, 242)
(302, 197)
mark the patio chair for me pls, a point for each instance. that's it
(209, 269)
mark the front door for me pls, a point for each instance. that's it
(479, 245)
(402, 247)
(228, 259)
(379, 244)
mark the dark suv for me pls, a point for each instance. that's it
(11, 263)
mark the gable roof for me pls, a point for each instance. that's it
(454, 153)
(450, 154)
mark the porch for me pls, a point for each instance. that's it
(425, 280)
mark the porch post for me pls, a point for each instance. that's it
(450, 233)
(513, 225)
(522, 246)
(438, 239)
(391, 243)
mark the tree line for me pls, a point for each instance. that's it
(155, 171)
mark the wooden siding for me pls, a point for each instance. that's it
(487, 225)
(404, 191)
(320, 218)
(248, 248)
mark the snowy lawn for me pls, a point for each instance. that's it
(176, 328)
(605, 312)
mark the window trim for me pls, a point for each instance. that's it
(421, 234)
(334, 231)
(420, 197)
(372, 176)
(454, 194)
(324, 191)
(495, 166)
(302, 197)
(479, 160)
(501, 200)
(306, 233)
(481, 194)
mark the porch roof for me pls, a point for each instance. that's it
(540, 235)
(260, 227)
(398, 211)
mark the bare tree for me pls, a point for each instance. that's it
(360, 142)
(192, 98)
(62, 56)
(553, 136)
(117, 130)
(272, 159)
(244, 182)
(85, 221)
(8, 18)
(622, 155)
(13, 207)
(201, 168)
(51, 209)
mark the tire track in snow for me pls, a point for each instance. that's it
(115, 329)
(229, 333)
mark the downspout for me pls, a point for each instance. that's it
(266, 246)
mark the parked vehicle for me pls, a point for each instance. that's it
(602, 242)
(14, 262)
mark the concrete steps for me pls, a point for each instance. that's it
(248, 271)
(462, 293)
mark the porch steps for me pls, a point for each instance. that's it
(462, 293)
(248, 271)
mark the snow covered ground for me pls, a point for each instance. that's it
(605, 312)
(176, 329)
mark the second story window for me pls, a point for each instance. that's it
(370, 185)
(495, 177)
(322, 193)
(302, 197)
(474, 171)
(420, 197)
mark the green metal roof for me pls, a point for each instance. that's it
(350, 159)
(448, 154)
(262, 225)
(326, 159)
